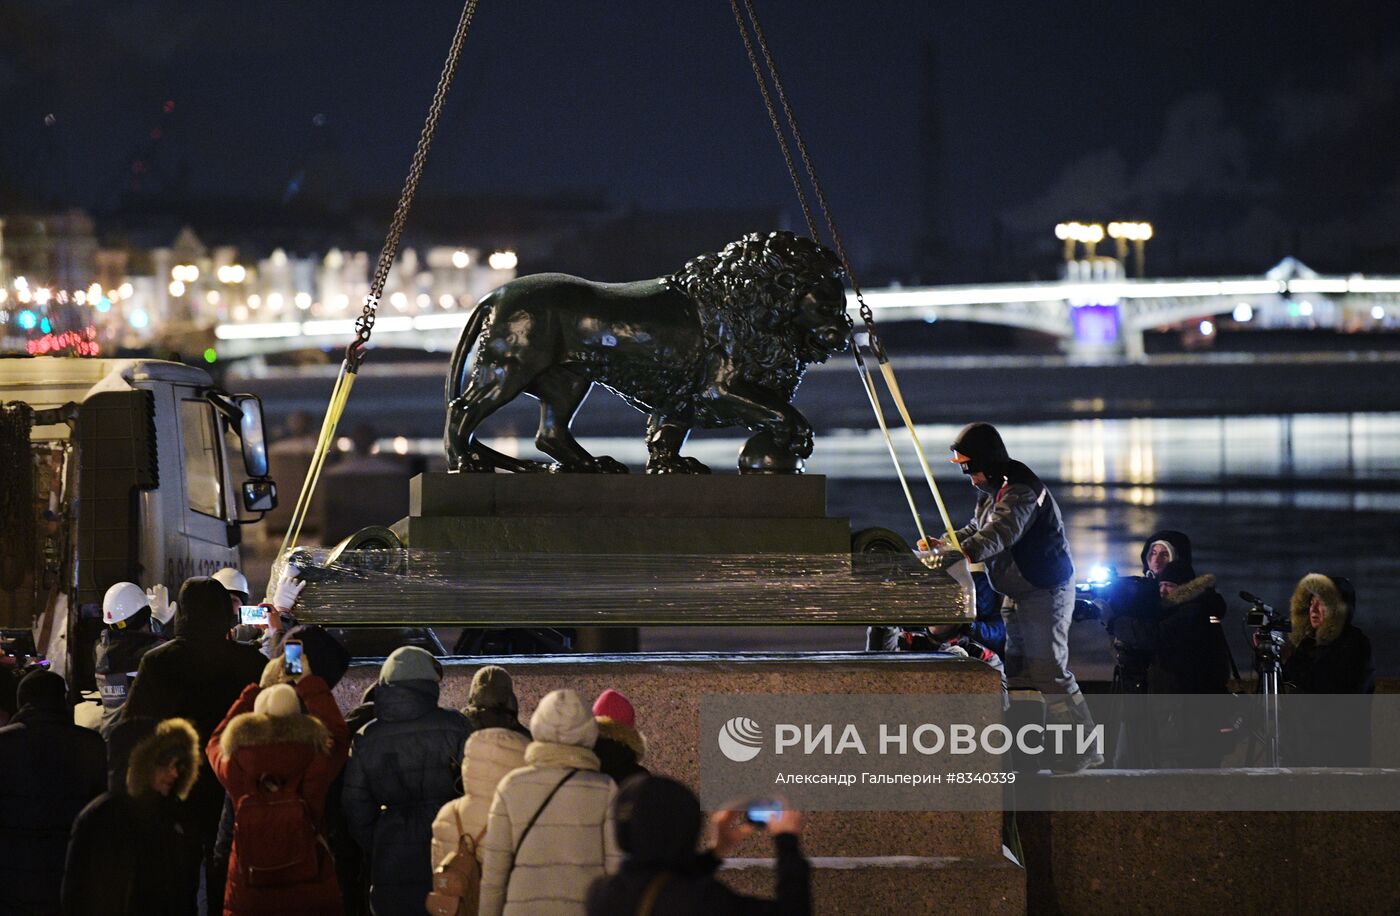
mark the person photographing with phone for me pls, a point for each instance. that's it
(277, 751)
(658, 828)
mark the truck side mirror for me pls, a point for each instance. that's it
(259, 495)
(250, 433)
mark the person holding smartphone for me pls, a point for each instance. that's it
(658, 826)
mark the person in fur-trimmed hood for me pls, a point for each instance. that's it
(620, 746)
(1330, 654)
(550, 831)
(268, 751)
(1191, 654)
(129, 853)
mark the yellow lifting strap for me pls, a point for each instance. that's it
(756, 44)
(364, 325)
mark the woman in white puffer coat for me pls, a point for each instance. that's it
(490, 754)
(550, 831)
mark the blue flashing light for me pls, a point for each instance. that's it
(45, 326)
(104, 305)
(27, 320)
(1100, 575)
(139, 318)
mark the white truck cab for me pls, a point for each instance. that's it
(135, 470)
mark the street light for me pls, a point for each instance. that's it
(1070, 233)
(502, 260)
(1138, 234)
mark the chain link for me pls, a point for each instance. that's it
(867, 316)
(364, 325)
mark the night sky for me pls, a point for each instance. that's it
(1230, 125)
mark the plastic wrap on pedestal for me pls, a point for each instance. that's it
(437, 587)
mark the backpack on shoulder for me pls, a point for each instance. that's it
(274, 840)
(457, 881)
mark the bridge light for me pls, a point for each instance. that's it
(502, 260)
(303, 301)
(1207, 328)
(460, 259)
(399, 301)
(1305, 308)
(177, 288)
(274, 301)
(126, 290)
(1243, 312)
(1378, 313)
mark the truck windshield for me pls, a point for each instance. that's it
(199, 432)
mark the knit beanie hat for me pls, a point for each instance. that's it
(492, 688)
(561, 718)
(278, 700)
(613, 706)
(42, 689)
(1176, 572)
(410, 663)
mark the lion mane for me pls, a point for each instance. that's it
(747, 297)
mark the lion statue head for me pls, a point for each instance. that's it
(775, 301)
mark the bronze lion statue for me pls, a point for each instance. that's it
(723, 342)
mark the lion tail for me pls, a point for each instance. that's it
(476, 321)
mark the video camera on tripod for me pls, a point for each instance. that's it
(1270, 635)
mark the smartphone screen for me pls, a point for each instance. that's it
(762, 812)
(252, 615)
(291, 656)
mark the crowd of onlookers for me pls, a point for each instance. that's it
(227, 780)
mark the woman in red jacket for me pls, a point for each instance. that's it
(277, 762)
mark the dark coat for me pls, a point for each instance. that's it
(695, 891)
(658, 824)
(257, 756)
(130, 853)
(1191, 654)
(197, 676)
(403, 767)
(49, 770)
(1017, 531)
(620, 749)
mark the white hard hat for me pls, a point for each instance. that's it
(232, 580)
(121, 601)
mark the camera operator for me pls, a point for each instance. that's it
(1169, 642)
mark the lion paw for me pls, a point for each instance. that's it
(676, 464)
(601, 464)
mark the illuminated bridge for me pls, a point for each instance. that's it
(1090, 317)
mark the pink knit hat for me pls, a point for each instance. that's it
(615, 707)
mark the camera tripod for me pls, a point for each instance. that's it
(1268, 664)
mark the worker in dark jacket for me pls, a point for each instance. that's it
(1017, 532)
(658, 827)
(127, 635)
(403, 768)
(491, 701)
(49, 770)
(130, 854)
(197, 676)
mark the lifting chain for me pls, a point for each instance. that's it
(364, 324)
